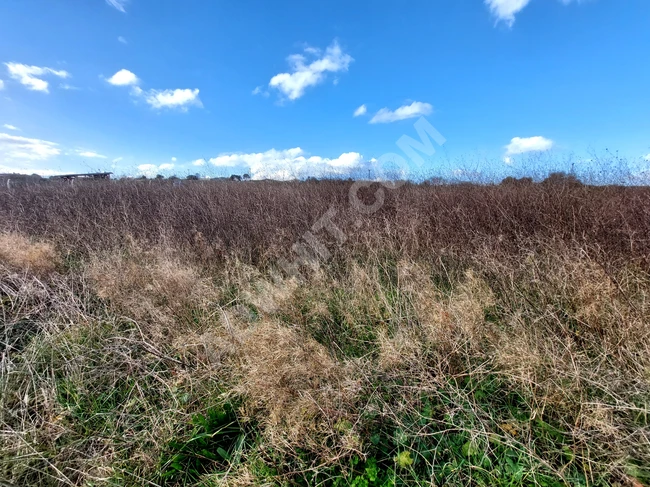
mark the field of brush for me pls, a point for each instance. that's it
(451, 335)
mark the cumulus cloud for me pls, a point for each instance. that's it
(14, 147)
(414, 110)
(10, 127)
(124, 77)
(521, 145)
(199, 162)
(362, 110)
(152, 170)
(90, 154)
(302, 74)
(289, 164)
(31, 76)
(117, 4)
(122, 40)
(179, 98)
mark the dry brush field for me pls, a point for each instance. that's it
(459, 335)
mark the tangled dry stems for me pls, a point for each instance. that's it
(109, 349)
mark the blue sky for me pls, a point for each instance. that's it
(294, 88)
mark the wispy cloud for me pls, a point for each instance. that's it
(260, 91)
(288, 164)
(14, 147)
(117, 159)
(124, 77)
(2, 85)
(31, 76)
(91, 154)
(521, 145)
(362, 110)
(414, 110)
(122, 40)
(302, 74)
(10, 127)
(118, 4)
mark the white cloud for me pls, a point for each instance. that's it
(260, 91)
(173, 159)
(66, 86)
(152, 170)
(521, 145)
(122, 40)
(149, 170)
(116, 160)
(28, 170)
(646, 157)
(30, 76)
(301, 76)
(123, 77)
(415, 109)
(13, 147)
(179, 98)
(288, 164)
(2, 85)
(362, 110)
(199, 162)
(91, 154)
(117, 4)
(10, 127)
(506, 10)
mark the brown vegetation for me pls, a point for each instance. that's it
(462, 335)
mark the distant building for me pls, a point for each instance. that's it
(92, 175)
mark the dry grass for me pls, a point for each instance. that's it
(21, 254)
(303, 396)
(461, 336)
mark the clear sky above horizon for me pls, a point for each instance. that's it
(296, 88)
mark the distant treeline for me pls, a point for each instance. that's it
(553, 178)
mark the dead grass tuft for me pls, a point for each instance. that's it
(302, 396)
(22, 254)
(153, 286)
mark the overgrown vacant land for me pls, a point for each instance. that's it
(459, 335)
